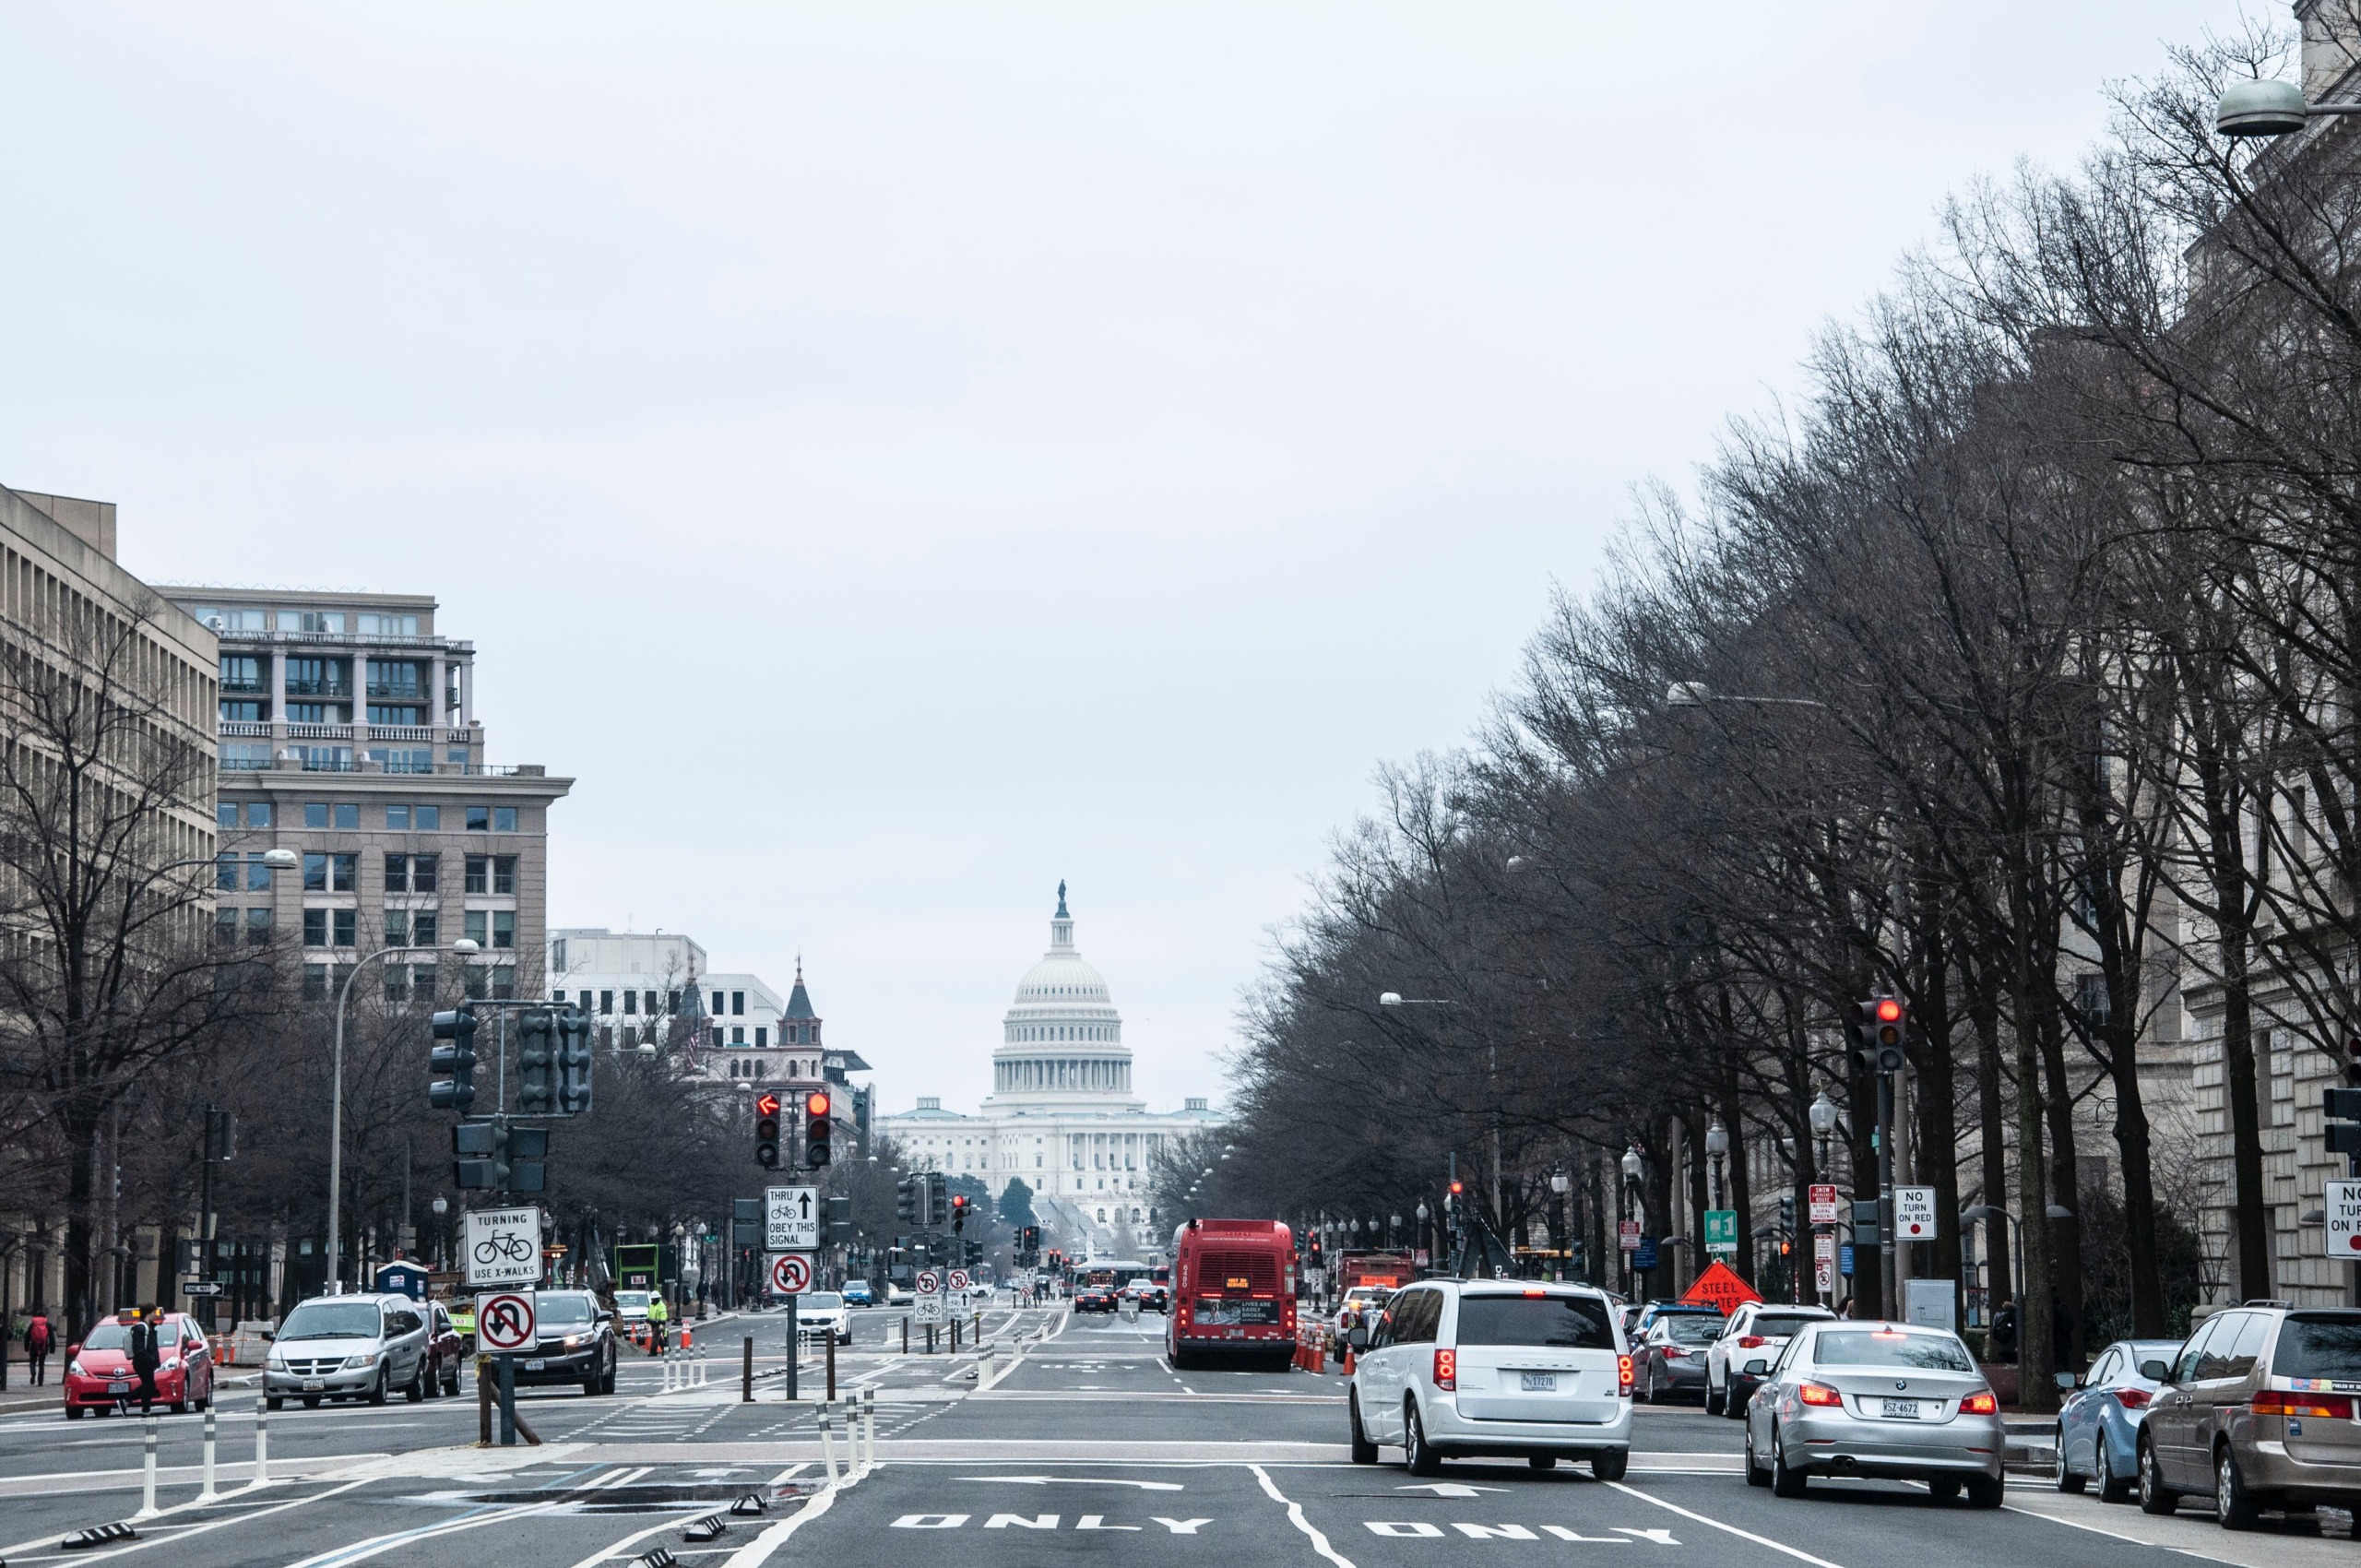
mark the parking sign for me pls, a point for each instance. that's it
(1823, 1203)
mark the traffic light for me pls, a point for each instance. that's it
(573, 1060)
(2341, 1128)
(505, 1159)
(536, 1061)
(906, 1200)
(959, 1214)
(1028, 1241)
(839, 1220)
(1883, 1020)
(1788, 1213)
(767, 1130)
(816, 1127)
(455, 1052)
(938, 1198)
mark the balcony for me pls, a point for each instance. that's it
(246, 688)
(318, 732)
(335, 691)
(396, 691)
(245, 728)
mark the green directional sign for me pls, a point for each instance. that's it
(1721, 1232)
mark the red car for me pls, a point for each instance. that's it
(99, 1375)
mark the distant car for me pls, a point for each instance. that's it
(2098, 1426)
(575, 1342)
(631, 1306)
(1878, 1399)
(856, 1293)
(1360, 1307)
(821, 1314)
(1764, 1326)
(896, 1295)
(99, 1375)
(1152, 1297)
(1093, 1299)
(1648, 1313)
(360, 1347)
(1671, 1356)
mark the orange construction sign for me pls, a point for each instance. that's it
(1720, 1286)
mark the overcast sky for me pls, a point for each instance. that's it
(894, 456)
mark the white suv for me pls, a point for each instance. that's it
(1458, 1367)
(1764, 1326)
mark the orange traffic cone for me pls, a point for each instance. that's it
(684, 1337)
(1348, 1360)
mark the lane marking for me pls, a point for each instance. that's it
(757, 1552)
(616, 1549)
(237, 1518)
(361, 1550)
(1295, 1516)
(1074, 1480)
(1799, 1555)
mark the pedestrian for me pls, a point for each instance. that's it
(146, 1356)
(1844, 1307)
(40, 1339)
(656, 1319)
(2004, 1331)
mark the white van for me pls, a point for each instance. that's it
(1460, 1367)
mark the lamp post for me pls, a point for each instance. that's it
(1560, 1183)
(463, 946)
(1632, 1165)
(1822, 1117)
(2269, 109)
(1717, 1145)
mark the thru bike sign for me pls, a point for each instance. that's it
(502, 1246)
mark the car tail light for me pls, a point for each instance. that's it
(1447, 1369)
(1672, 1352)
(1749, 1342)
(1623, 1375)
(2132, 1399)
(1979, 1405)
(1819, 1394)
(2280, 1402)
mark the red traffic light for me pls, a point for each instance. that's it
(817, 1103)
(1889, 1010)
(960, 1202)
(767, 1104)
(1457, 1188)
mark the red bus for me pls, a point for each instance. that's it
(1233, 1291)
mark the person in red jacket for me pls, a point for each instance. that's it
(40, 1340)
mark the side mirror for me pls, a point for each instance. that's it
(2156, 1372)
(2069, 1381)
(72, 1351)
(1357, 1337)
(1758, 1367)
(270, 1336)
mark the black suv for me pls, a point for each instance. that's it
(576, 1342)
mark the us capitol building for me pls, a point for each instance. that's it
(1061, 1116)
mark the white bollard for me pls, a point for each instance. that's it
(208, 1494)
(868, 1419)
(828, 1442)
(262, 1443)
(147, 1469)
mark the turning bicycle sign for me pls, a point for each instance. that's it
(503, 1246)
(790, 1274)
(504, 1321)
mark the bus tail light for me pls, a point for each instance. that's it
(1623, 1375)
(1819, 1394)
(1447, 1370)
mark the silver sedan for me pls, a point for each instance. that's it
(1875, 1399)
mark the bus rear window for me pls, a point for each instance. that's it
(2324, 1347)
(1565, 1323)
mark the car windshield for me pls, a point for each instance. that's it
(108, 1336)
(2324, 1346)
(1780, 1327)
(823, 1301)
(1693, 1330)
(631, 1298)
(1566, 1323)
(565, 1310)
(1874, 1348)
(331, 1320)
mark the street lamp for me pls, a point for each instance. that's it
(463, 946)
(1717, 1145)
(1560, 1184)
(1631, 1166)
(2269, 109)
(1696, 693)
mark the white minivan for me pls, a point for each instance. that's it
(1465, 1367)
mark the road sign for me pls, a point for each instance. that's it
(1823, 1203)
(504, 1321)
(503, 1246)
(1643, 1256)
(2342, 1199)
(1626, 1235)
(1721, 1286)
(1721, 1231)
(792, 1218)
(1913, 1214)
(200, 1288)
(1823, 1263)
(929, 1282)
(790, 1274)
(958, 1279)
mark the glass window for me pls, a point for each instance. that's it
(1885, 1347)
(504, 928)
(226, 814)
(2184, 1364)
(397, 873)
(479, 819)
(316, 989)
(344, 872)
(348, 813)
(258, 814)
(1570, 1323)
(257, 928)
(427, 819)
(2318, 1345)
(240, 710)
(2221, 1345)
(423, 870)
(479, 874)
(425, 927)
(241, 672)
(397, 928)
(225, 873)
(737, 1002)
(315, 874)
(504, 819)
(458, 755)
(225, 925)
(631, 1002)
(316, 813)
(503, 877)
(422, 976)
(1692, 1329)
(503, 980)
(397, 818)
(331, 1320)
(477, 932)
(315, 928)
(258, 873)
(759, 1032)
(717, 1007)
(738, 1036)
(348, 926)
(2249, 1345)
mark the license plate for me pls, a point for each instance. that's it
(1901, 1409)
(313, 1385)
(1538, 1383)
(540, 1366)
(118, 1388)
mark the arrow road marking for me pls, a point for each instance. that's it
(1072, 1481)
(1451, 1488)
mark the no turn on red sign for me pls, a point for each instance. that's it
(2341, 1203)
(1913, 1214)
(790, 1274)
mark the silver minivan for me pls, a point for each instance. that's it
(349, 1347)
(1466, 1367)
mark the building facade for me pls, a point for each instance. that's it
(1061, 1116)
(347, 734)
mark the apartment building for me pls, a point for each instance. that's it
(347, 734)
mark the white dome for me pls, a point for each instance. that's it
(1061, 1036)
(1062, 979)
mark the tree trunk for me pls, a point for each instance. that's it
(1985, 1014)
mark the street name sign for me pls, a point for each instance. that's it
(502, 1246)
(200, 1288)
(1913, 1214)
(1721, 1231)
(1823, 1203)
(505, 1320)
(790, 1274)
(792, 1218)
(2341, 1201)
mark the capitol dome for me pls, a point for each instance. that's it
(1062, 1039)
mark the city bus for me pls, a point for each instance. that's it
(1114, 1275)
(1233, 1293)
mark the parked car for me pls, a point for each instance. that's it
(2256, 1409)
(1670, 1357)
(856, 1293)
(99, 1375)
(822, 1315)
(1093, 1299)
(2098, 1426)
(1493, 1366)
(359, 1346)
(1881, 1399)
(575, 1342)
(1755, 1326)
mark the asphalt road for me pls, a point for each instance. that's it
(1080, 1444)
